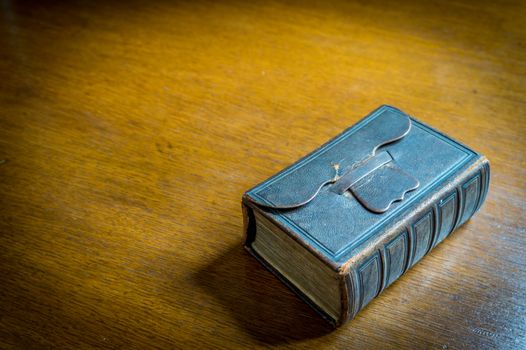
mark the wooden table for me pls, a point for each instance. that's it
(128, 133)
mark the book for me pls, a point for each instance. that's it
(343, 223)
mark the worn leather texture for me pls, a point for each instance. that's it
(373, 201)
(334, 223)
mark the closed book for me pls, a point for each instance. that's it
(347, 220)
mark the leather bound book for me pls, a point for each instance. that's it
(346, 221)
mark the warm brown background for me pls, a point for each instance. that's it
(128, 134)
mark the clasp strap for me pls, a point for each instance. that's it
(359, 172)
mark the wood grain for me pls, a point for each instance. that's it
(129, 131)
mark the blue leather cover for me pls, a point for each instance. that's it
(348, 190)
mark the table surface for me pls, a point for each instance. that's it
(128, 133)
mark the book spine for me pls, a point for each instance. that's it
(406, 243)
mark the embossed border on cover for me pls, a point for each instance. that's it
(336, 256)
